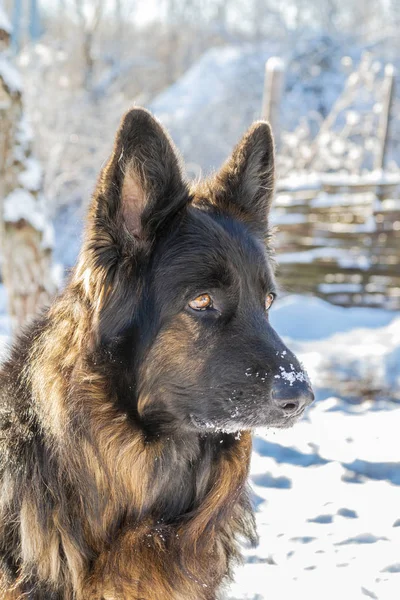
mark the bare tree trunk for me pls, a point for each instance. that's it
(89, 25)
(25, 233)
(17, 25)
(35, 25)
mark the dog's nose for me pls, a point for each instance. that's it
(292, 398)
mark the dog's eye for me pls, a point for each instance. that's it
(269, 298)
(202, 302)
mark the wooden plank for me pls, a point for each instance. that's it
(330, 233)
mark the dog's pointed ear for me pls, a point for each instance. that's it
(139, 191)
(245, 184)
(142, 184)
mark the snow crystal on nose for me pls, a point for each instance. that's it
(292, 376)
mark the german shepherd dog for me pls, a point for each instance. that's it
(126, 409)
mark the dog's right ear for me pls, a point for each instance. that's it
(139, 190)
(141, 186)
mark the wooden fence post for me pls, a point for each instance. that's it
(273, 87)
(384, 121)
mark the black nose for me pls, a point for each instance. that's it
(292, 398)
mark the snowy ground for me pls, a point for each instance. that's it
(327, 492)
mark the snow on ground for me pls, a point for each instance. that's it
(327, 492)
(343, 349)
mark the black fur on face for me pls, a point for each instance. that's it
(223, 368)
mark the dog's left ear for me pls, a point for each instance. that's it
(245, 184)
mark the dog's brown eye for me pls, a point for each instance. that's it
(202, 302)
(269, 298)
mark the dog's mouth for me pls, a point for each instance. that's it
(215, 426)
(233, 425)
(288, 421)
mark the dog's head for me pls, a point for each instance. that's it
(180, 282)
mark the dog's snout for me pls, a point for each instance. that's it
(292, 399)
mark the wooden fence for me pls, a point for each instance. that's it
(338, 237)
